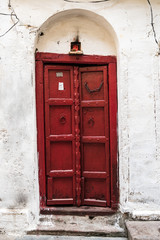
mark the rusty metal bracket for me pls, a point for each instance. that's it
(93, 90)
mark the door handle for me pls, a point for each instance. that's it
(62, 120)
(91, 121)
(93, 90)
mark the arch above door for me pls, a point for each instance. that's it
(95, 33)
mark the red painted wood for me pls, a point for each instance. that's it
(40, 132)
(80, 211)
(61, 173)
(113, 134)
(95, 202)
(62, 101)
(42, 59)
(59, 134)
(95, 174)
(57, 138)
(99, 139)
(106, 117)
(77, 136)
(98, 103)
(49, 187)
(83, 59)
(68, 201)
(95, 133)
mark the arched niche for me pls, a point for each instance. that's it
(96, 35)
(97, 38)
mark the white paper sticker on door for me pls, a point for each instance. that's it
(59, 74)
(61, 86)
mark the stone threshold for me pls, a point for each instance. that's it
(111, 233)
(104, 226)
(47, 237)
(78, 211)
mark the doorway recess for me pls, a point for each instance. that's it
(76, 99)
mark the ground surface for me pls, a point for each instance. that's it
(68, 238)
(143, 230)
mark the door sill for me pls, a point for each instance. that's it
(78, 211)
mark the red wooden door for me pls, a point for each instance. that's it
(95, 136)
(77, 135)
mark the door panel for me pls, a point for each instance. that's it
(59, 160)
(92, 152)
(62, 191)
(92, 79)
(59, 193)
(95, 189)
(77, 142)
(60, 120)
(93, 121)
(95, 136)
(59, 131)
(56, 77)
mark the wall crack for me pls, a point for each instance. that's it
(12, 14)
(153, 29)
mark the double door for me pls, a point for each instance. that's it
(77, 135)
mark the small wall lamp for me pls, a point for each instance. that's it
(75, 48)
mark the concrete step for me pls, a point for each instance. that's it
(66, 238)
(143, 230)
(104, 226)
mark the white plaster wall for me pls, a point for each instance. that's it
(128, 22)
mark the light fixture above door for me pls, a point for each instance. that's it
(75, 47)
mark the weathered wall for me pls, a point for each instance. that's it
(60, 30)
(121, 28)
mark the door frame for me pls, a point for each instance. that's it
(50, 58)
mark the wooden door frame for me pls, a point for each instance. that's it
(50, 58)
